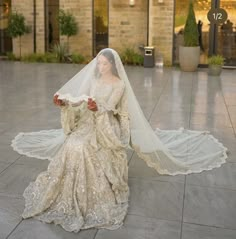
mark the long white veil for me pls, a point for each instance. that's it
(168, 151)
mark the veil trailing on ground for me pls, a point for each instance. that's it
(168, 151)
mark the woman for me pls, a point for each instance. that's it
(86, 182)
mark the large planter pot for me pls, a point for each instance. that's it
(214, 70)
(189, 58)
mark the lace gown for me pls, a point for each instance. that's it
(85, 184)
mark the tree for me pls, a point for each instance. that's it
(190, 29)
(17, 27)
(68, 25)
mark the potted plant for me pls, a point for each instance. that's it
(189, 53)
(215, 63)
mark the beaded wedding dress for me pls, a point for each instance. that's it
(85, 184)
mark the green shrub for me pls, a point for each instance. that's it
(60, 50)
(190, 29)
(216, 60)
(11, 56)
(77, 58)
(34, 57)
(40, 57)
(50, 57)
(130, 56)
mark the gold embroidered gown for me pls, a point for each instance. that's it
(85, 184)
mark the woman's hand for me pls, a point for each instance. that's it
(92, 105)
(57, 101)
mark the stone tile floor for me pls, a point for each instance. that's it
(197, 206)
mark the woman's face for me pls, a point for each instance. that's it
(104, 66)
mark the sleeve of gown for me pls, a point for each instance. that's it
(114, 99)
(103, 122)
(69, 117)
(124, 130)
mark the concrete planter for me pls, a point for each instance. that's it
(189, 58)
(214, 70)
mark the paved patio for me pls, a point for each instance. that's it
(197, 206)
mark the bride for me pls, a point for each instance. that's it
(86, 183)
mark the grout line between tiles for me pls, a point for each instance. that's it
(228, 113)
(203, 225)
(95, 234)
(14, 229)
(182, 219)
(155, 218)
(191, 102)
(158, 99)
(10, 164)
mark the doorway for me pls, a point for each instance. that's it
(226, 34)
(213, 39)
(51, 24)
(100, 25)
(5, 40)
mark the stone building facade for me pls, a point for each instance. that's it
(130, 23)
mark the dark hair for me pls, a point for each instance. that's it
(110, 57)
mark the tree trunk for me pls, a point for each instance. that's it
(68, 48)
(20, 46)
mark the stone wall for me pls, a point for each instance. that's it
(40, 26)
(26, 7)
(127, 25)
(82, 10)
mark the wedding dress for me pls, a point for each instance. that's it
(85, 184)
